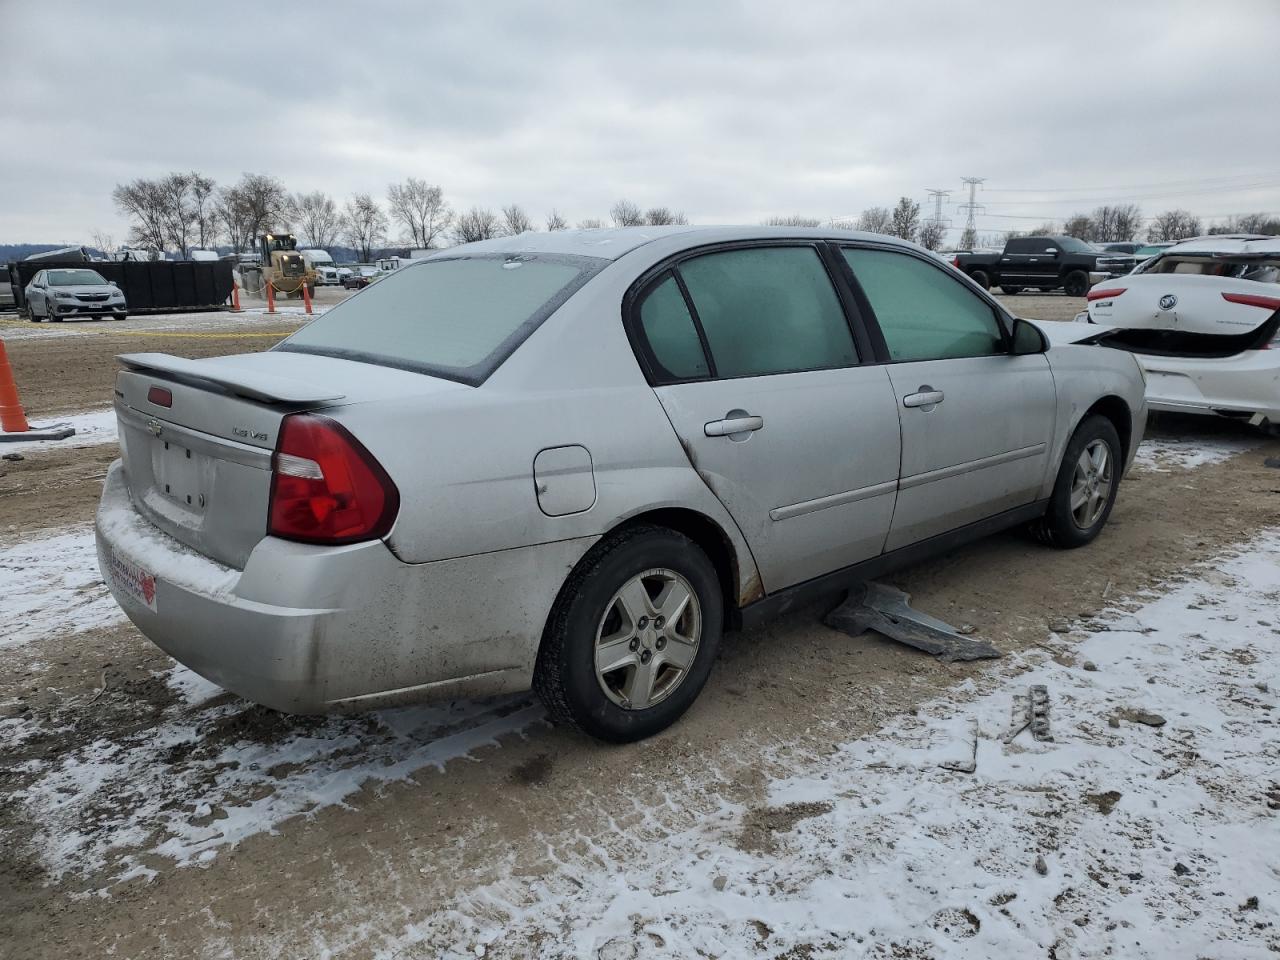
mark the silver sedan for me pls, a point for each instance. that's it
(573, 460)
(73, 292)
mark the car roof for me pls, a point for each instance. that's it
(613, 243)
(1228, 244)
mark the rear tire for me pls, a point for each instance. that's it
(1011, 291)
(1076, 284)
(1086, 488)
(635, 575)
(981, 278)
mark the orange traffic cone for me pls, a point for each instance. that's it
(235, 298)
(12, 419)
(271, 298)
(306, 299)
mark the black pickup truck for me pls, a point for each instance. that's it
(1045, 263)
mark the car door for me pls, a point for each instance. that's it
(1028, 260)
(977, 421)
(35, 294)
(755, 362)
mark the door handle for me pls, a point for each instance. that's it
(926, 398)
(738, 423)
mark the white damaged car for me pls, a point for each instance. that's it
(1203, 318)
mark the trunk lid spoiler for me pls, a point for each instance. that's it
(241, 381)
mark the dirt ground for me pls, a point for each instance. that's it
(336, 880)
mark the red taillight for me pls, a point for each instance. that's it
(160, 396)
(1107, 294)
(326, 487)
(1253, 300)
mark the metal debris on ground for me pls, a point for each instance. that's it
(887, 611)
(1030, 709)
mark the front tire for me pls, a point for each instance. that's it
(1086, 488)
(632, 637)
(1076, 284)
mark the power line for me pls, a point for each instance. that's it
(1196, 181)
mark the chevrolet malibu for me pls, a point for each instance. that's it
(573, 460)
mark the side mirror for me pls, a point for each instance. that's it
(113, 283)
(1028, 339)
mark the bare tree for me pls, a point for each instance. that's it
(876, 220)
(932, 233)
(556, 222)
(591, 223)
(1173, 225)
(232, 216)
(179, 214)
(319, 220)
(663, 216)
(265, 204)
(476, 224)
(203, 209)
(103, 242)
(1079, 225)
(515, 220)
(1258, 223)
(421, 209)
(792, 220)
(905, 219)
(145, 204)
(1111, 224)
(626, 214)
(366, 224)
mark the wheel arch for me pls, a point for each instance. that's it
(1117, 411)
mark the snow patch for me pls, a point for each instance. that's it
(1116, 839)
(52, 587)
(1165, 454)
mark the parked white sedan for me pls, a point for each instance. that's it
(1203, 317)
(570, 460)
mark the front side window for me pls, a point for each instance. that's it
(671, 338)
(923, 312)
(74, 278)
(456, 317)
(767, 310)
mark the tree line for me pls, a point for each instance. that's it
(186, 211)
(1115, 223)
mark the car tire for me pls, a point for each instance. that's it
(1011, 291)
(1076, 284)
(120, 316)
(1066, 526)
(591, 608)
(981, 278)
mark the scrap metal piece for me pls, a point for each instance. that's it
(1019, 715)
(51, 431)
(874, 606)
(1039, 695)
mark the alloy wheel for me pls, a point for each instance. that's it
(1091, 484)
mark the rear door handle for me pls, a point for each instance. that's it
(926, 397)
(732, 425)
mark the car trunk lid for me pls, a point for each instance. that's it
(197, 436)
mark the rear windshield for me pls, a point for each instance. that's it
(74, 278)
(1263, 271)
(456, 317)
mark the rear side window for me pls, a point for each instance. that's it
(923, 312)
(675, 351)
(455, 317)
(767, 310)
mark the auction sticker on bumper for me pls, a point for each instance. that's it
(131, 579)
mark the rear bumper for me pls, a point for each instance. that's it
(1247, 384)
(307, 629)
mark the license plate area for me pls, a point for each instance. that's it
(179, 474)
(132, 580)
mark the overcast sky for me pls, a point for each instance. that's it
(727, 111)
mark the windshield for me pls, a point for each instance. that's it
(1260, 271)
(74, 278)
(1075, 245)
(456, 317)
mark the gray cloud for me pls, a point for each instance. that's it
(728, 111)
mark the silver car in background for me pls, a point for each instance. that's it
(71, 292)
(572, 460)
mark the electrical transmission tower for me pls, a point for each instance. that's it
(972, 208)
(938, 196)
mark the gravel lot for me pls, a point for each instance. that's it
(795, 812)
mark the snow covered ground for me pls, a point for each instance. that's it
(92, 427)
(1186, 453)
(1146, 828)
(52, 588)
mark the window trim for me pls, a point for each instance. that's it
(863, 344)
(1004, 321)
